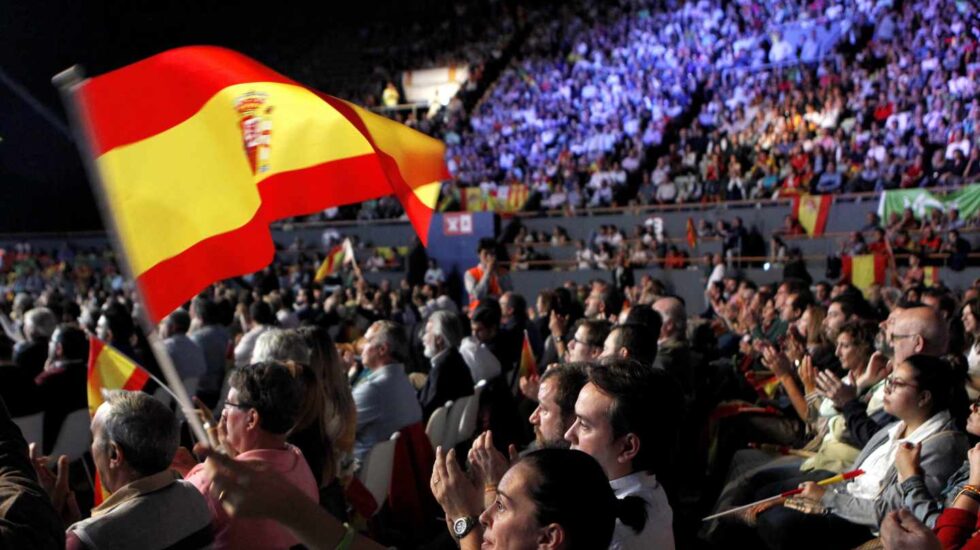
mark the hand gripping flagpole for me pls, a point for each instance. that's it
(785, 494)
(68, 82)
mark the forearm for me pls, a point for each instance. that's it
(916, 497)
(472, 541)
(796, 397)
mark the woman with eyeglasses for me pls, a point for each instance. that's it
(919, 393)
(953, 512)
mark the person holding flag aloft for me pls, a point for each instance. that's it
(487, 279)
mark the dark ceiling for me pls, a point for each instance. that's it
(42, 183)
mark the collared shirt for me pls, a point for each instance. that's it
(256, 533)
(658, 532)
(876, 465)
(134, 489)
(386, 402)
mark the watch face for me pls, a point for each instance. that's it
(460, 526)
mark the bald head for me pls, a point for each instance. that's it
(919, 330)
(674, 317)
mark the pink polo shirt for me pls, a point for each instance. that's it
(256, 533)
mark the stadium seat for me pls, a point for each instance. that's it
(436, 427)
(467, 423)
(451, 439)
(74, 437)
(375, 472)
(32, 426)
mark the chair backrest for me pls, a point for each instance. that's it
(74, 437)
(452, 421)
(32, 426)
(375, 472)
(467, 422)
(436, 427)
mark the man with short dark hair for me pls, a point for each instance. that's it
(587, 341)
(604, 302)
(486, 279)
(630, 342)
(386, 401)
(619, 421)
(794, 306)
(555, 413)
(134, 440)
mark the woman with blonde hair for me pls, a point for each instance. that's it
(339, 411)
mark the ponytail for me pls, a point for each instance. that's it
(632, 511)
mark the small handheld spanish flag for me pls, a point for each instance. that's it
(338, 256)
(529, 366)
(109, 369)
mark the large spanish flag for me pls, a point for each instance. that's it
(812, 212)
(865, 270)
(200, 148)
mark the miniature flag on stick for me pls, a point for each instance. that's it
(828, 481)
(338, 256)
(529, 366)
(109, 369)
(692, 235)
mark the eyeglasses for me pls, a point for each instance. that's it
(242, 406)
(892, 337)
(891, 383)
(578, 342)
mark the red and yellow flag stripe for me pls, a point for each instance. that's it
(200, 148)
(528, 365)
(109, 369)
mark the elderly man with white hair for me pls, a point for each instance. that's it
(449, 377)
(30, 355)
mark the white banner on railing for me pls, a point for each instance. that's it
(433, 85)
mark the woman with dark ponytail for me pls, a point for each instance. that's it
(551, 498)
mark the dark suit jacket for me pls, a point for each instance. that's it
(449, 379)
(61, 392)
(31, 356)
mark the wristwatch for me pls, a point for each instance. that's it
(463, 526)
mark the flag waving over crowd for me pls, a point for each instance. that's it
(336, 257)
(865, 270)
(200, 148)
